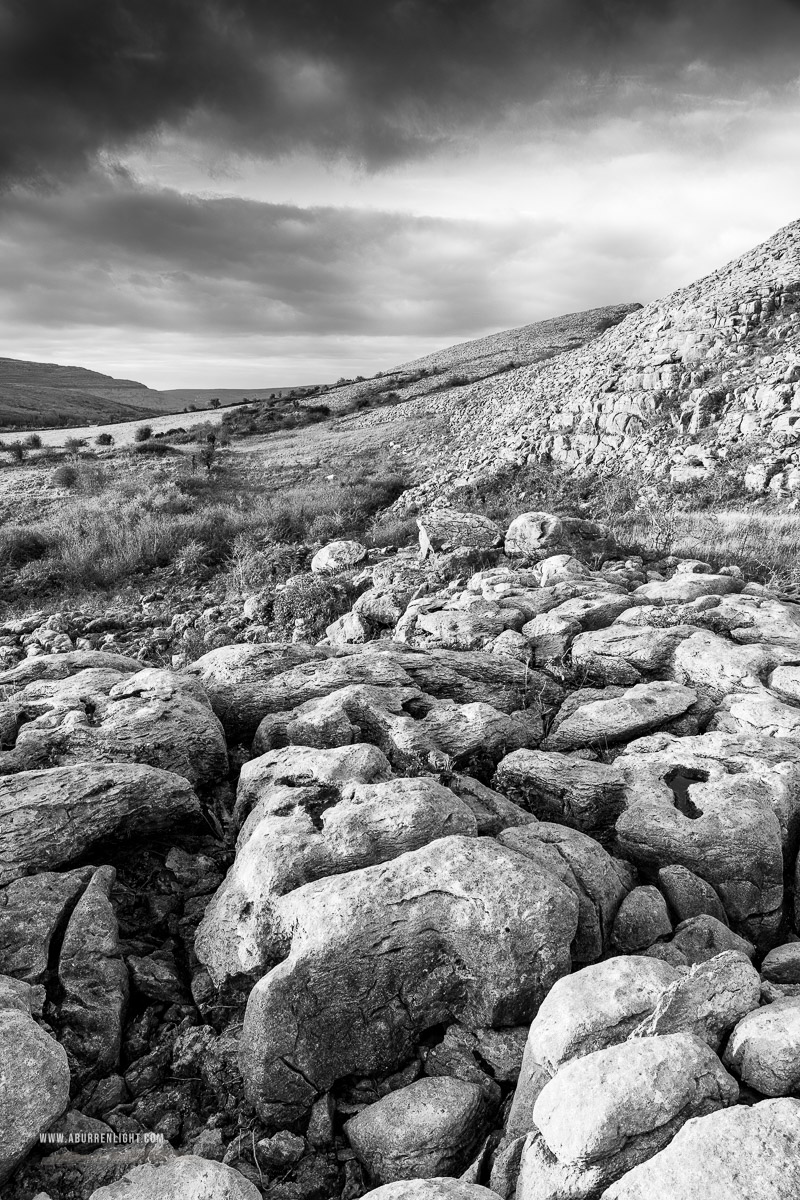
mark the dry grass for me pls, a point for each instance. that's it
(111, 528)
(766, 545)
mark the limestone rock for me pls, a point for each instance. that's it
(93, 982)
(753, 1153)
(728, 834)
(234, 678)
(153, 717)
(34, 1084)
(427, 1129)
(533, 531)
(432, 1189)
(688, 895)
(641, 920)
(31, 910)
(185, 1178)
(606, 1112)
(596, 1007)
(447, 529)
(50, 817)
(764, 1048)
(607, 722)
(571, 791)
(599, 882)
(309, 833)
(708, 1001)
(383, 953)
(338, 556)
(782, 964)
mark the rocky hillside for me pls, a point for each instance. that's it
(47, 395)
(682, 387)
(490, 894)
(447, 370)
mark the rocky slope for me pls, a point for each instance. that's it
(443, 373)
(680, 387)
(490, 893)
(43, 395)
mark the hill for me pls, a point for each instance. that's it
(47, 395)
(678, 388)
(467, 362)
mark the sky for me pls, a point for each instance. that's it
(252, 193)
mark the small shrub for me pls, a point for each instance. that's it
(315, 601)
(17, 451)
(104, 439)
(143, 433)
(66, 475)
(74, 444)
(157, 449)
(20, 545)
(33, 441)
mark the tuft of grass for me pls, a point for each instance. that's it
(143, 433)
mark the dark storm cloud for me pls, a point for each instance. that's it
(374, 81)
(116, 256)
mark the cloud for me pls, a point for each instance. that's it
(374, 81)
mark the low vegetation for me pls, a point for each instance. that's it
(115, 525)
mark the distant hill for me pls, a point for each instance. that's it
(527, 344)
(46, 395)
(202, 397)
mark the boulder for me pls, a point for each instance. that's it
(626, 654)
(596, 1007)
(719, 667)
(600, 883)
(532, 532)
(62, 666)
(641, 920)
(185, 1178)
(682, 588)
(726, 832)
(447, 529)
(428, 1129)
(605, 1113)
(688, 895)
(153, 717)
(234, 678)
(405, 723)
(383, 953)
(351, 629)
(307, 833)
(764, 1048)
(34, 1078)
(607, 722)
(699, 939)
(576, 792)
(32, 909)
(782, 964)
(748, 1153)
(338, 556)
(93, 983)
(432, 1189)
(51, 817)
(303, 766)
(708, 1001)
